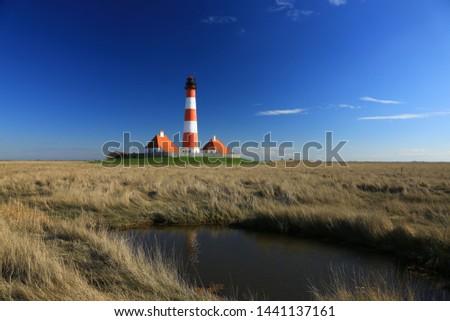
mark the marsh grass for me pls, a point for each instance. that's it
(370, 286)
(48, 259)
(393, 207)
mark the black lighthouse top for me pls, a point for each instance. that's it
(190, 83)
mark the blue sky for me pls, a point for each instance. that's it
(76, 74)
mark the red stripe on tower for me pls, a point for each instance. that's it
(190, 135)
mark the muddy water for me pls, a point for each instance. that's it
(270, 266)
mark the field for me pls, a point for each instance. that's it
(55, 218)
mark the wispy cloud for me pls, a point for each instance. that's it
(219, 19)
(241, 32)
(289, 7)
(348, 106)
(293, 14)
(306, 12)
(277, 112)
(380, 101)
(407, 116)
(281, 5)
(337, 2)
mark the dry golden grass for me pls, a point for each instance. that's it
(394, 207)
(364, 287)
(50, 259)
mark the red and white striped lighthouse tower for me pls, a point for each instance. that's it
(190, 135)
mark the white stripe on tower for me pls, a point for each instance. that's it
(191, 103)
(190, 135)
(190, 127)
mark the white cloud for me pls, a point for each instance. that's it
(348, 106)
(407, 116)
(402, 116)
(219, 19)
(277, 112)
(380, 101)
(292, 12)
(306, 12)
(283, 4)
(337, 2)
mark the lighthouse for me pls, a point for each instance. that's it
(190, 134)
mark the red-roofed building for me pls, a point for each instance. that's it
(215, 146)
(162, 144)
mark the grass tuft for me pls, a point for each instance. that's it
(357, 286)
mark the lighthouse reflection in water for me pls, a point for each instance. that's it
(192, 246)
